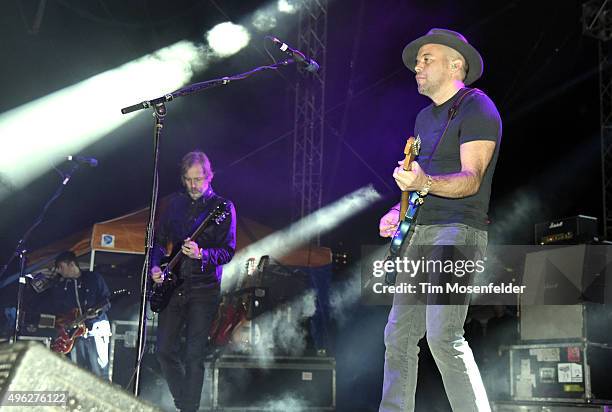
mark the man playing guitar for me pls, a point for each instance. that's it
(193, 303)
(460, 133)
(74, 294)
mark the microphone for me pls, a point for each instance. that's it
(41, 282)
(311, 65)
(90, 161)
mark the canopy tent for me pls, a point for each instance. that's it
(126, 235)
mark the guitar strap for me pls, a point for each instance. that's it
(452, 112)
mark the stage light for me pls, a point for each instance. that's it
(287, 6)
(36, 136)
(227, 38)
(40, 133)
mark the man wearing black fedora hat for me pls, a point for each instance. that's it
(460, 133)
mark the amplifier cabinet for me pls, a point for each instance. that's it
(560, 372)
(576, 229)
(253, 383)
(29, 366)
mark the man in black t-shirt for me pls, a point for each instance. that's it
(454, 171)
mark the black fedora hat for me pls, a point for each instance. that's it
(453, 40)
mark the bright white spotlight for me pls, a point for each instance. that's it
(287, 6)
(280, 243)
(62, 123)
(36, 134)
(227, 38)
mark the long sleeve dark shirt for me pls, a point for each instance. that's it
(85, 292)
(179, 220)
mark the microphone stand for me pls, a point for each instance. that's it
(22, 251)
(159, 113)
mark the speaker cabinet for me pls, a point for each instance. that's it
(29, 368)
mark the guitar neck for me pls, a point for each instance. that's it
(404, 205)
(177, 258)
(410, 151)
(84, 316)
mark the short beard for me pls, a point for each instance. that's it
(428, 90)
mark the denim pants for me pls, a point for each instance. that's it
(443, 325)
(88, 358)
(194, 309)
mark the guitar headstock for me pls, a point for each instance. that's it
(220, 212)
(412, 149)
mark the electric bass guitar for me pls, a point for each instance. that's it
(71, 325)
(160, 294)
(409, 206)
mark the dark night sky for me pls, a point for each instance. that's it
(539, 69)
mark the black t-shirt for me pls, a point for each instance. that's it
(476, 119)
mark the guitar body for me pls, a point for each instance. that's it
(67, 331)
(232, 314)
(160, 293)
(71, 326)
(403, 230)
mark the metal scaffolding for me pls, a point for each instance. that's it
(597, 23)
(307, 183)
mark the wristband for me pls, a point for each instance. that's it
(427, 187)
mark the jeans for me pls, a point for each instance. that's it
(88, 358)
(194, 309)
(443, 325)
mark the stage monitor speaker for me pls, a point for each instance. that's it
(567, 295)
(27, 368)
(566, 322)
(568, 275)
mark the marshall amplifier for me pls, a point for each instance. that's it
(576, 229)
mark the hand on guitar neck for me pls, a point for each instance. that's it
(189, 248)
(410, 179)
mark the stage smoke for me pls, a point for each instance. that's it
(281, 331)
(280, 243)
(289, 403)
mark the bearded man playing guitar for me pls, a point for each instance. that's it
(193, 303)
(459, 134)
